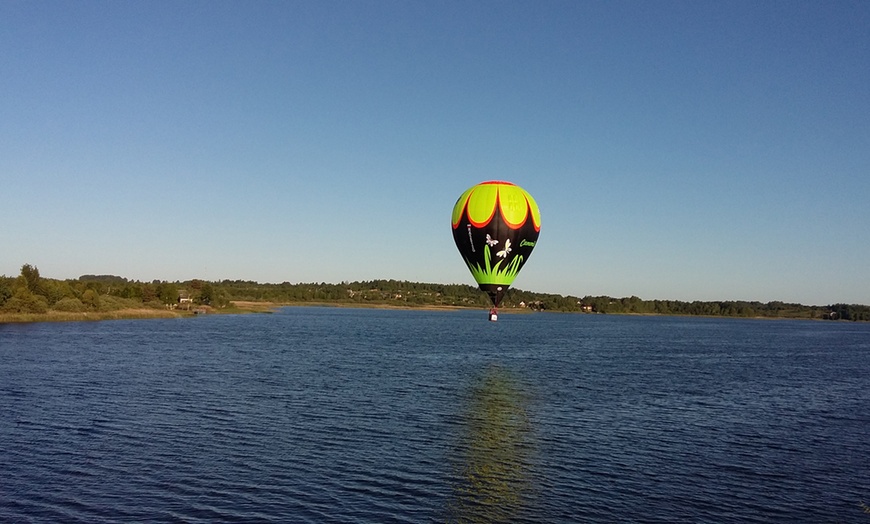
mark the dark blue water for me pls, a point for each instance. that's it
(355, 415)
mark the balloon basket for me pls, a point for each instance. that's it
(493, 315)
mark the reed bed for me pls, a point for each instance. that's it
(68, 316)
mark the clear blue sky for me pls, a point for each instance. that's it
(678, 150)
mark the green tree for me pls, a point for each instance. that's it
(5, 289)
(23, 301)
(149, 293)
(56, 290)
(32, 278)
(211, 296)
(91, 299)
(69, 304)
(206, 293)
(167, 292)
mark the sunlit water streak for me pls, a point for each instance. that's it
(337, 415)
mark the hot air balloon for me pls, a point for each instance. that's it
(495, 227)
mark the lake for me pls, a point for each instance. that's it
(364, 415)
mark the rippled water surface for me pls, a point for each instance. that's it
(355, 415)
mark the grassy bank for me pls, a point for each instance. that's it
(66, 316)
(137, 313)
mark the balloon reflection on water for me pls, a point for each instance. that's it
(493, 471)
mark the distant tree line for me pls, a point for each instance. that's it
(731, 308)
(31, 293)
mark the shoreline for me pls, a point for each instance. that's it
(90, 316)
(241, 307)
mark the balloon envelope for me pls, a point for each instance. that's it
(495, 227)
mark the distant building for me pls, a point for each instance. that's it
(184, 300)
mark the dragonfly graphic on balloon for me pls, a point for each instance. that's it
(495, 216)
